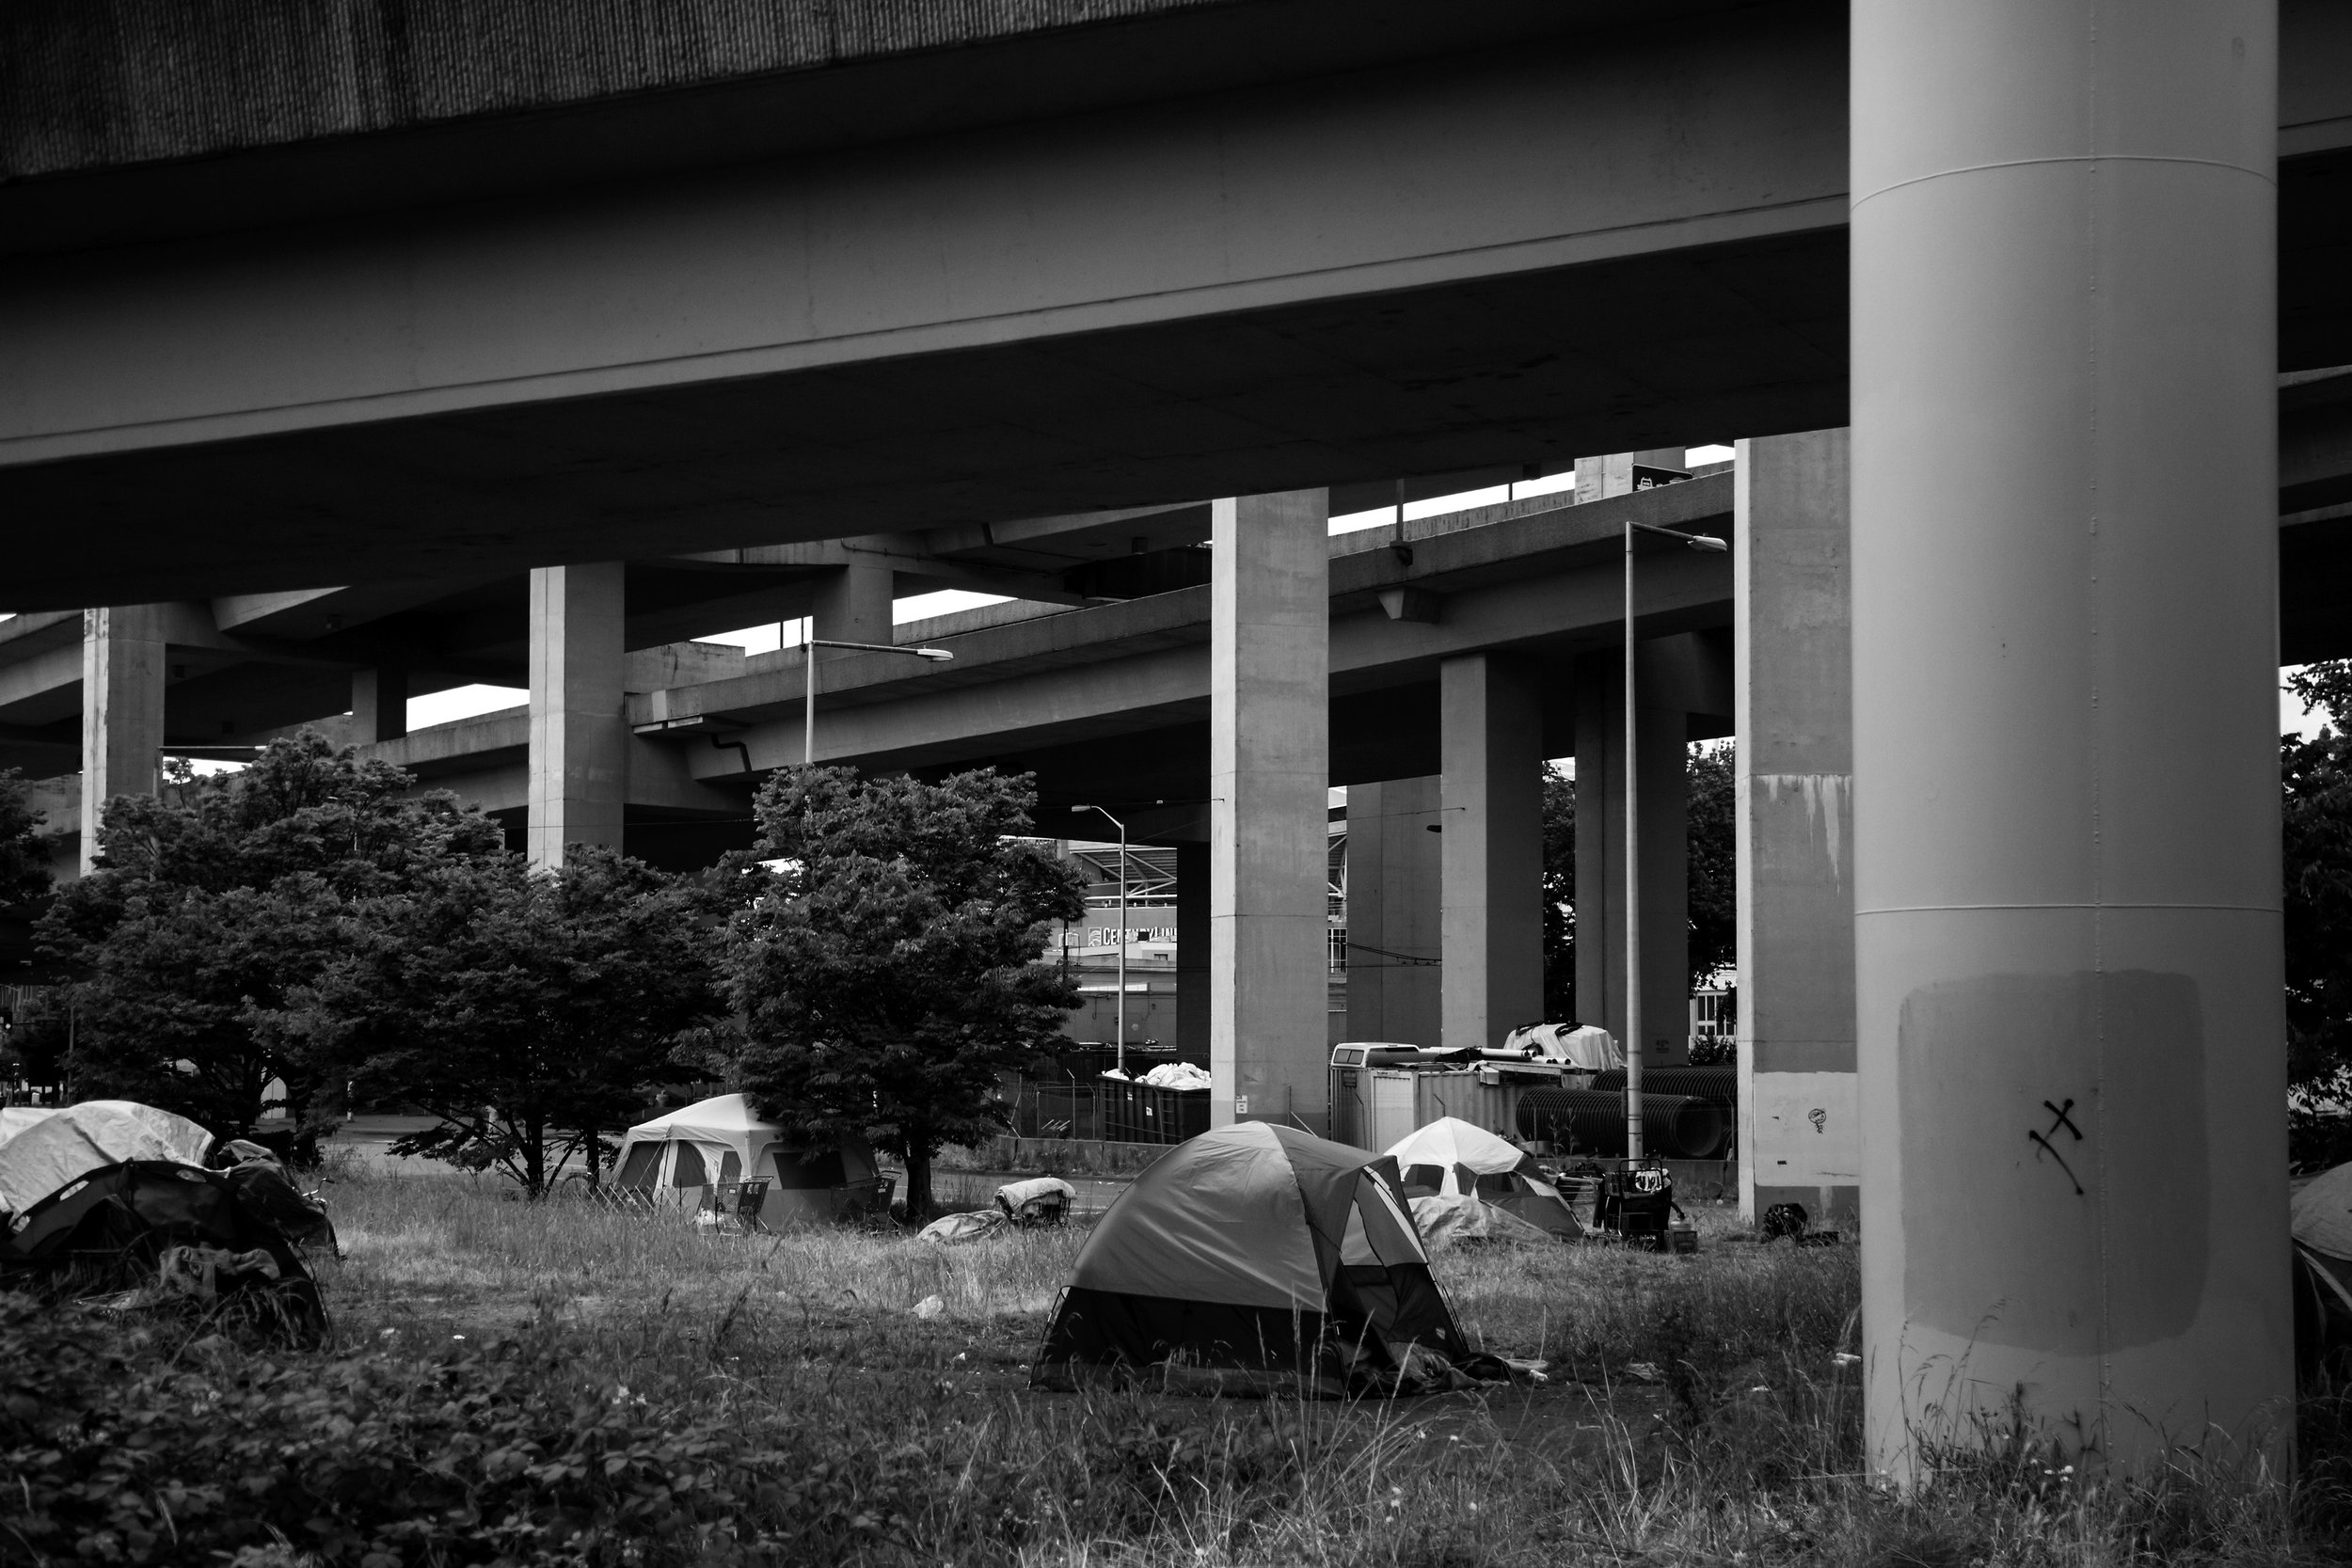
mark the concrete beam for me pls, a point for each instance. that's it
(1543, 577)
(1268, 767)
(1395, 901)
(1492, 730)
(1192, 949)
(124, 656)
(380, 704)
(936, 315)
(578, 732)
(1800, 1126)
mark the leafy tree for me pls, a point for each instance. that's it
(1559, 895)
(1714, 874)
(887, 974)
(2316, 800)
(1714, 878)
(23, 859)
(528, 1010)
(212, 902)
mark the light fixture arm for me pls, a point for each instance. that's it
(808, 669)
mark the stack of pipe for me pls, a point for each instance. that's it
(1717, 1085)
(1592, 1121)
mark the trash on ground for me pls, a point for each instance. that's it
(955, 1229)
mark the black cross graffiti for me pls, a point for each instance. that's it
(2043, 1145)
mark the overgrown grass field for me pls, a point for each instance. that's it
(555, 1383)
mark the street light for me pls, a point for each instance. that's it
(808, 699)
(1122, 929)
(1633, 846)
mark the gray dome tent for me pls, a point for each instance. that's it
(1253, 1258)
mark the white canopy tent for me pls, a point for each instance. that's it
(681, 1157)
(1453, 1158)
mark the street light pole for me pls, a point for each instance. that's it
(1123, 930)
(1633, 844)
(808, 694)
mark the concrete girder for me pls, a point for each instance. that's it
(1083, 345)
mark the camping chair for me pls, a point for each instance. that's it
(856, 1199)
(741, 1202)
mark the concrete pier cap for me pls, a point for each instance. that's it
(2070, 1028)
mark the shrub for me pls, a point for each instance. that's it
(121, 1445)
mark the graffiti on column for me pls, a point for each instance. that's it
(2043, 1145)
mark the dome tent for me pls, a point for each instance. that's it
(1252, 1259)
(1452, 1157)
(679, 1157)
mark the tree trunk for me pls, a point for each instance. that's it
(588, 1146)
(918, 1184)
(534, 1158)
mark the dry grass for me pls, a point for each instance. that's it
(1746, 1454)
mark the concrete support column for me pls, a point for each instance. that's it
(1192, 950)
(1395, 902)
(1491, 736)
(380, 704)
(1665, 805)
(2065, 646)
(122, 709)
(1270, 749)
(1799, 1138)
(852, 604)
(578, 728)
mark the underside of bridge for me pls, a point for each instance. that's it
(576, 323)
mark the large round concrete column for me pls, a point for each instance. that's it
(2070, 1021)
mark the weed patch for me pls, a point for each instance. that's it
(556, 1384)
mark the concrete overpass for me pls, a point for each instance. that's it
(350, 304)
(294, 314)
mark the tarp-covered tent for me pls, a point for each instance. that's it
(1453, 1158)
(1253, 1257)
(1448, 1222)
(15, 1119)
(678, 1157)
(72, 1143)
(112, 1195)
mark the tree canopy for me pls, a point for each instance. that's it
(529, 1011)
(23, 860)
(1713, 882)
(885, 969)
(2315, 820)
(211, 903)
